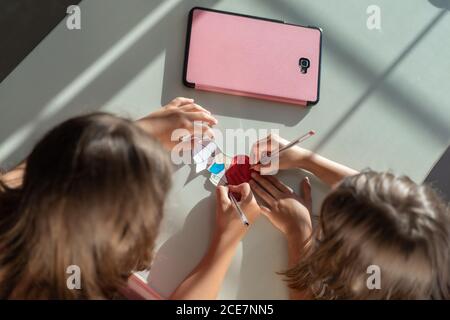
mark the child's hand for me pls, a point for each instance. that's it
(286, 211)
(290, 158)
(205, 280)
(228, 223)
(180, 113)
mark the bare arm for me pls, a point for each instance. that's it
(179, 113)
(205, 280)
(14, 177)
(295, 253)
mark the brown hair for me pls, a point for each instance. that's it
(92, 196)
(383, 220)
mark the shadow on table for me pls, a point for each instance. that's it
(263, 242)
(39, 89)
(61, 81)
(378, 81)
(179, 255)
(442, 4)
(67, 69)
(51, 78)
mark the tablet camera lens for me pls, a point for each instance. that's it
(304, 65)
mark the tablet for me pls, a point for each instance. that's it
(251, 56)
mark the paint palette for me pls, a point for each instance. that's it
(233, 171)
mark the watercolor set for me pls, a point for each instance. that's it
(230, 170)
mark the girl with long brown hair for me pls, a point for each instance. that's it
(379, 236)
(92, 194)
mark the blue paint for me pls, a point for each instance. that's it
(216, 168)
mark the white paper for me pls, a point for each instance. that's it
(204, 154)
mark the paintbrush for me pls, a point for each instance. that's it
(266, 159)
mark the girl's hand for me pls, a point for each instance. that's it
(229, 225)
(290, 158)
(205, 280)
(287, 211)
(180, 113)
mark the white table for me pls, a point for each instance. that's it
(384, 104)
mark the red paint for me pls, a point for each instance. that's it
(239, 172)
(253, 57)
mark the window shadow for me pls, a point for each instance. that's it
(413, 111)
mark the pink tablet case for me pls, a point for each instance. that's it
(251, 56)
